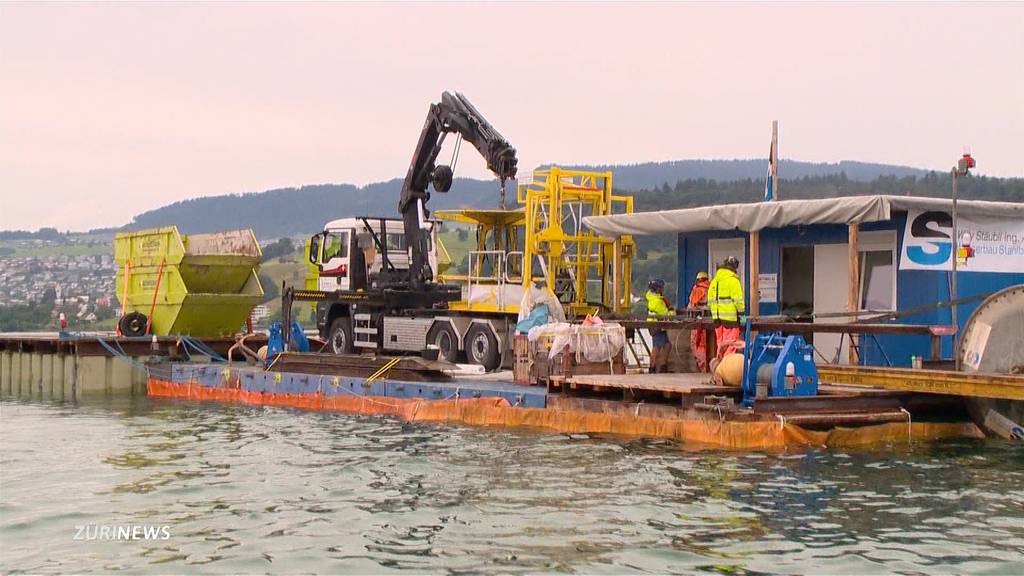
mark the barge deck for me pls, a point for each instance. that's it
(490, 401)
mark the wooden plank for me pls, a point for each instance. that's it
(825, 404)
(605, 406)
(671, 383)
(929, 381)
(847, 419)
(855, 390)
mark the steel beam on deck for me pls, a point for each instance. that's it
(792, 327)
(1009, 387)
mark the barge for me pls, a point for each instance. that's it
(671, 406)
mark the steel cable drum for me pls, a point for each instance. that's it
(992, 339)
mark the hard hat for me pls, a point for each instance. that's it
(702, 275)
(656, 284)
(731, 263)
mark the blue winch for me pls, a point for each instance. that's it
(778, 365)
(275, 340)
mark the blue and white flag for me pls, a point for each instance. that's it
(769, 185)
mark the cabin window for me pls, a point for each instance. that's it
(877, 255)
(878, 278)
(336, 246)
(396, 241)
(314, 248)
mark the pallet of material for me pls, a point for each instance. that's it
(688, 388)
(566, 364)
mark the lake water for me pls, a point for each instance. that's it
(240, 489)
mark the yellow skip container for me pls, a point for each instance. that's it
(199, 285)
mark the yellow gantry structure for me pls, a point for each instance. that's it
(543, 242)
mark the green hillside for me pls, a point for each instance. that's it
(302, 211)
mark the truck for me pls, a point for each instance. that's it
(388, 285)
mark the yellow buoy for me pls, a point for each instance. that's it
(730, 370)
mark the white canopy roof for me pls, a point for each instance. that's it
(759, 215)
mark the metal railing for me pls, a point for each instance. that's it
(499, 274)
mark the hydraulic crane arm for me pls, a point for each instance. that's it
(453, 113)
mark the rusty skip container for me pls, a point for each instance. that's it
(198, 284)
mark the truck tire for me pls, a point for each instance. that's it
(482, 347)
(340, 335)
(132, 324)
(443, 336)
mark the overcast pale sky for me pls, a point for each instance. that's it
(107, 110)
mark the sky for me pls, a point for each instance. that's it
(111, 109)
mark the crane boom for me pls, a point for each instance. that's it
(453, 114)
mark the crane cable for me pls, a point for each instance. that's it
(455, 152)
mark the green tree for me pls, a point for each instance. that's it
(283, 247)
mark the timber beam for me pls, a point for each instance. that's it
(1009, 387)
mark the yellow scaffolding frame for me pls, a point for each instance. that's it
(587, 272)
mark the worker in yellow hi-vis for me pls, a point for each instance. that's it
(725, 301)
(657, 306)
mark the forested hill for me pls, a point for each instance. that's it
(654, 174)
(302, 211)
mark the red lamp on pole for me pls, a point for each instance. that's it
(962, 168)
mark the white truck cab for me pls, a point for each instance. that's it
(347, 255)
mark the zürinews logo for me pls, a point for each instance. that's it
(930, 241)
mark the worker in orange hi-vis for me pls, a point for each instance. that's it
(699, 299)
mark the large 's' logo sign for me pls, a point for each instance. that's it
(930, 242)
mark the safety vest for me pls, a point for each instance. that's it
(699, 294)
(656, 305)
(725, 296)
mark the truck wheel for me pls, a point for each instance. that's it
(443, 336)
(482, 347)
(133, 324)
(340, 336)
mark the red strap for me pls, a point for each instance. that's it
(152, 305)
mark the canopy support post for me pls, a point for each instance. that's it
(853, 287)
(752, 280)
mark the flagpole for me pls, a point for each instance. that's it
(775, 159)
(771, 193)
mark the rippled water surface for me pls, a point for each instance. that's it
(251, 489)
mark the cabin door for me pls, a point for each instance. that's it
(831, 270)
(721, 248)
